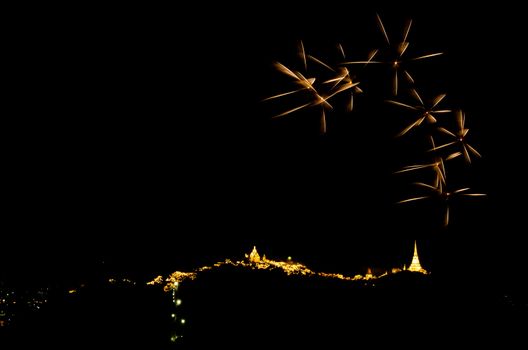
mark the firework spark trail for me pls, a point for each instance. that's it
(317, 60)
(342, 81)
(439, 187)
(317, 96)
(426, 112)
(459, 138)
(345, 77)
(445, 196)
(337, 79)
(396, 61)
(307, 84)
(302, 53)
(438, 168)
(382, 27)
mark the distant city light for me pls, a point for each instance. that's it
(182, 321)
(178, 301)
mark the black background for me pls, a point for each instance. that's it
(138, 137)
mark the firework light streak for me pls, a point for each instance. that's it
(343, 76)
(459, 138)
(337, 79)
(318, 95)
(306, 84)
(302, 53)
(444, 196)
(440, 182)
(426, 113)
(396, 60)
(438, 169)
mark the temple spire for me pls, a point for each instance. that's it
(415, 264)
(254, 257)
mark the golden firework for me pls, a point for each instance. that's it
(396, 59)
(426, 112)
(459, 138)
(317, 96)
(306, 84)
(439, 192)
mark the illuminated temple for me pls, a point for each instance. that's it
(254, 257)
(415, 263)
(290, 267)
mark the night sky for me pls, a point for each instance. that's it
(142, 141)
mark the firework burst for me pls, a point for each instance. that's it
(303, 85)
(459, 138)
(396, 59)
(426, 112)
(345, 79)
(317, 96)
(444, 196)
(326, 81)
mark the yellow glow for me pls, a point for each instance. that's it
(182, 321)
(415, 263)
(178, 301)
(254, 257)
(289, 267)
